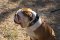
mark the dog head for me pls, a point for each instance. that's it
(24, 16)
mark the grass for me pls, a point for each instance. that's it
(8, 29)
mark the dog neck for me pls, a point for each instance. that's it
(36, 24)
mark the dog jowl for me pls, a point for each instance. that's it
(36, 27)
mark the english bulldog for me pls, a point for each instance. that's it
(36, 27)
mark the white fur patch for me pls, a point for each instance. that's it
(34, 27)
(53, 32)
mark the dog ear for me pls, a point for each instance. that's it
(28, 14)
(27, 11)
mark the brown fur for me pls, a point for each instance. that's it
(44, 32)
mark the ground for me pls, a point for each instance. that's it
(11, 31)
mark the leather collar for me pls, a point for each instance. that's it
(34, 21)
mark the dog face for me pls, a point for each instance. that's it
(24, 16)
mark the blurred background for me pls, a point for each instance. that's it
(50, 9)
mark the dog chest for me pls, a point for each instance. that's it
(31, 33)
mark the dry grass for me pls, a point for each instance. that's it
(11, 31)
(8, 29)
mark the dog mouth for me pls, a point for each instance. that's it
(18, 23)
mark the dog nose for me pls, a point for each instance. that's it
(16, 18)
